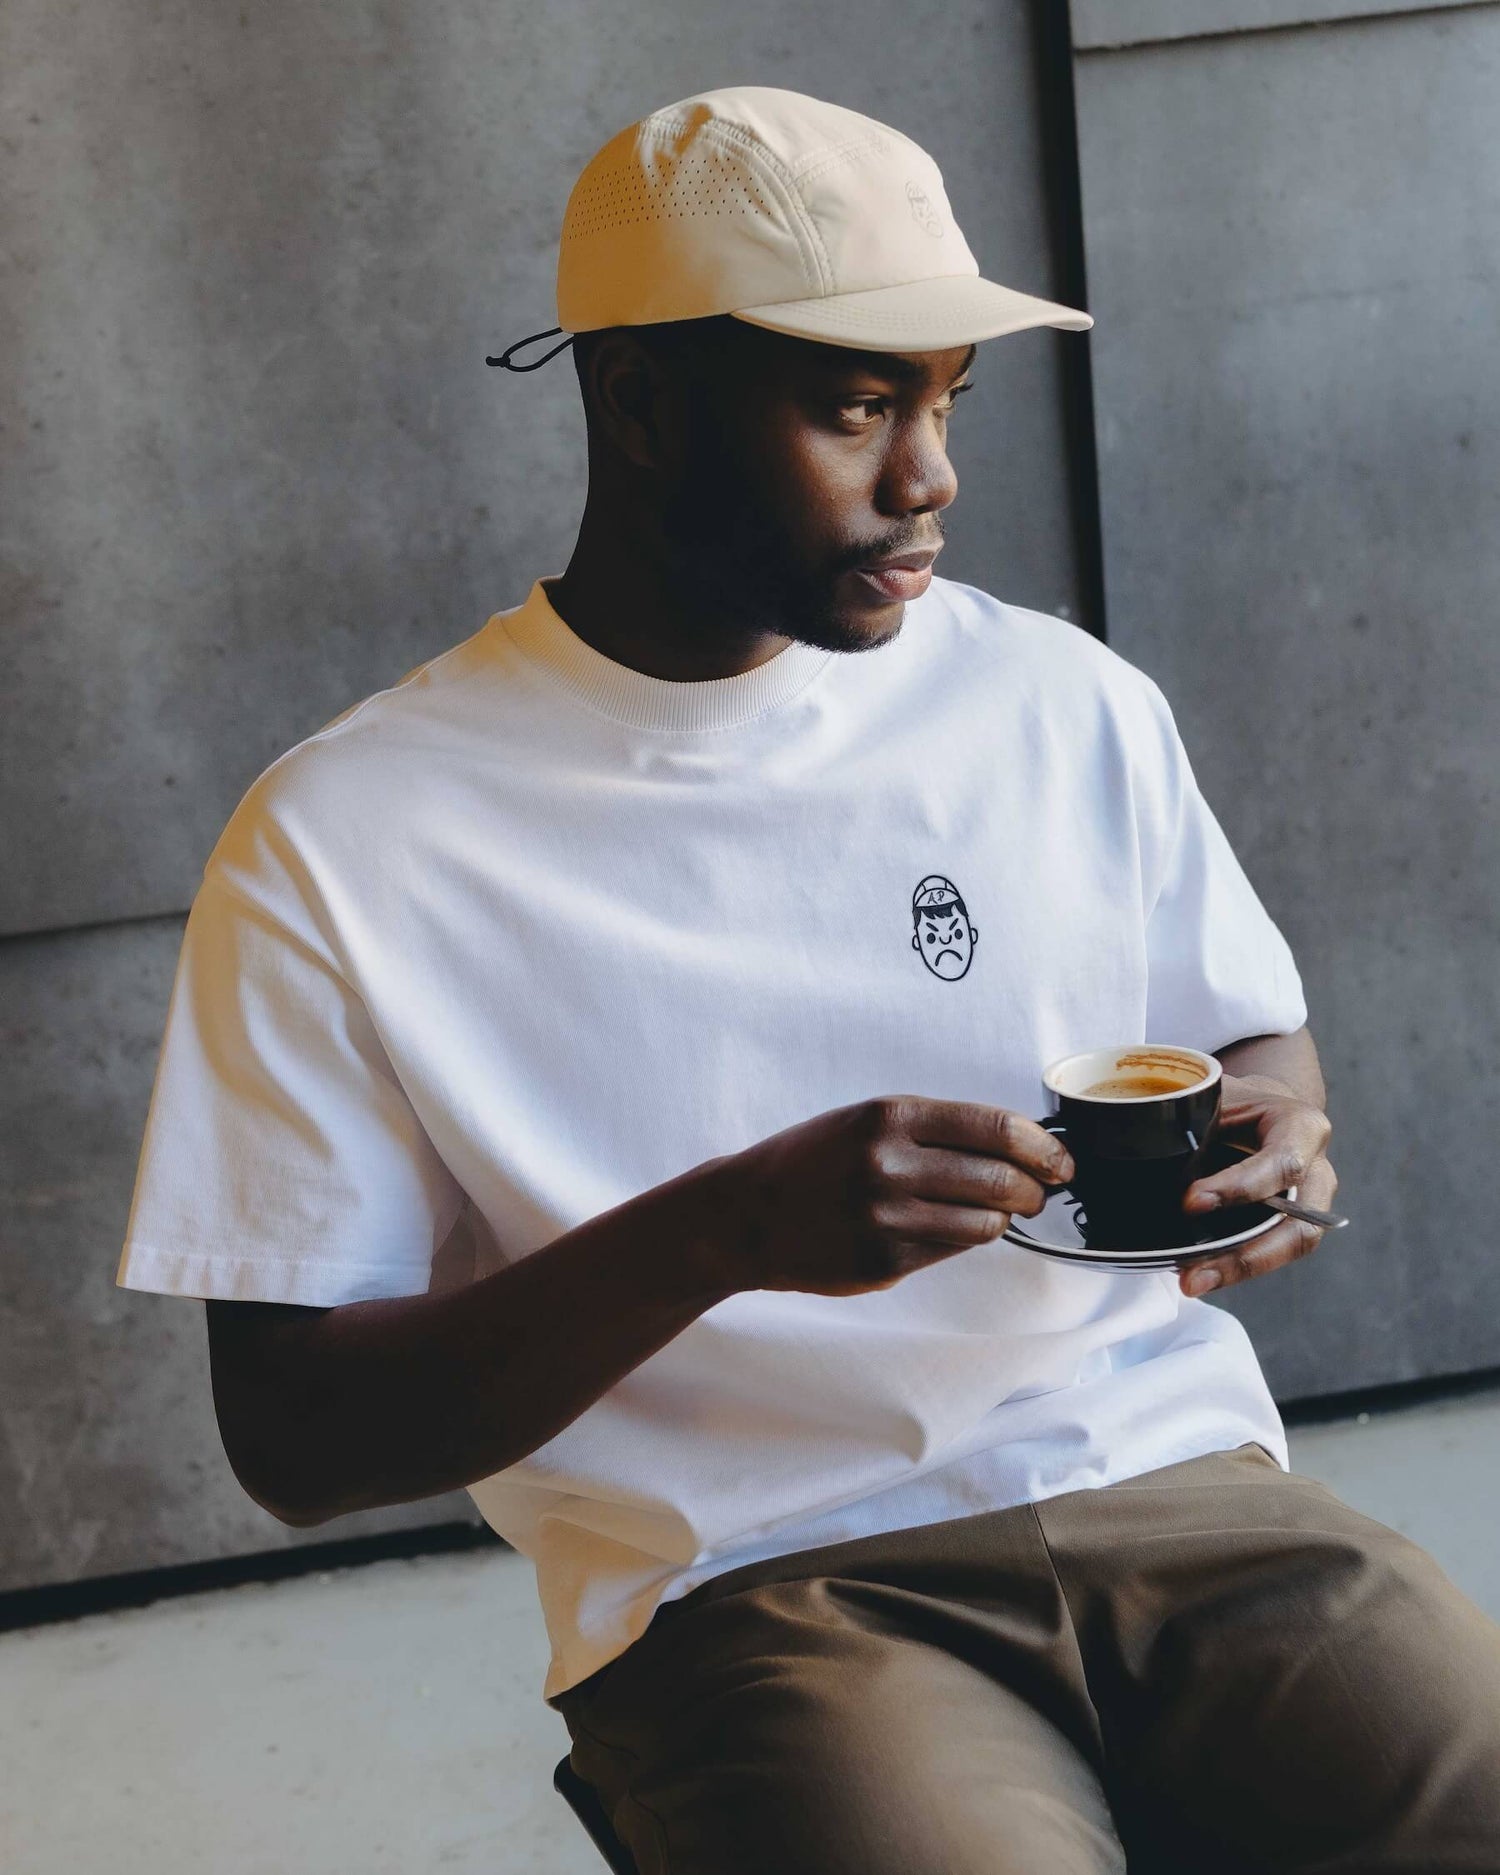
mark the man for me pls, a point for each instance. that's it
(866, 1539)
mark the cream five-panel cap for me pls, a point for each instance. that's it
(787, 212)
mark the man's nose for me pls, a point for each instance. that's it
(918, 475)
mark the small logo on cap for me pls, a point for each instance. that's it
(922, 212)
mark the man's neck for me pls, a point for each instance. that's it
(617, 600)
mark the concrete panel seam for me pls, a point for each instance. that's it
(1086, 42)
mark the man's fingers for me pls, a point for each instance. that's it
(967, 1126)
(1283, 1243)
(967, 1178)
(1319, 1186)
(1289, 1151)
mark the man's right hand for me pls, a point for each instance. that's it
(855, 1199)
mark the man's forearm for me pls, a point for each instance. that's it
(398, 1398)
(1291, 1060)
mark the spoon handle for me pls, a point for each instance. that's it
(1329, 1220)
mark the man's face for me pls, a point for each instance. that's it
(801, 463)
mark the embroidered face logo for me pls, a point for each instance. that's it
(943, 937)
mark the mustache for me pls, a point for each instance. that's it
(893, 549)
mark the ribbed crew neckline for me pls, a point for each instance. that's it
(632, 697)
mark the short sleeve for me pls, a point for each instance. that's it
(282, 1161)
(1219, 969)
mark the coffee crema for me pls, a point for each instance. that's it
(1134, 1087)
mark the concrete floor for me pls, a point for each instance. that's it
(390, 1716)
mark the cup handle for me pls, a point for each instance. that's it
(1053, 1123)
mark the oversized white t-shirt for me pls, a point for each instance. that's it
(532, 932)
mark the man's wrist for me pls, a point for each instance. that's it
(709, 1232)
(1267, 1084)
(1279, 1064)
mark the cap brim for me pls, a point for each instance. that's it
(920, 316)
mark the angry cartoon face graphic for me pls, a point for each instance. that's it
(942, 936)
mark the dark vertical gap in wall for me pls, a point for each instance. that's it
(1062, 187)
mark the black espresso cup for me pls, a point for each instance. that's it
(1138, 1122)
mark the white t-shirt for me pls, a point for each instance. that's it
(532, 932)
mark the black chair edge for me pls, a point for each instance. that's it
(583, 1801)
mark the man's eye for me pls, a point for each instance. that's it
(943, 409)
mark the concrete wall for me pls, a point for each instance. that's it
(253, 467)
(1292, 241)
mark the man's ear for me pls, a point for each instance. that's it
(916, 946)
(632, 394)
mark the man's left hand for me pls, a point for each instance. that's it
(1290, 1137)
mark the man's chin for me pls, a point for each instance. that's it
(827, 619)
(842, 630)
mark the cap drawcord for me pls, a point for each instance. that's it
(504, 358)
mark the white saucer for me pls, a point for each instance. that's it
(1054, 1233)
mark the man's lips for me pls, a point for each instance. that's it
(895, 583)
(913, 562)
(901, 576)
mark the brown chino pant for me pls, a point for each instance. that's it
(1216, 1668)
